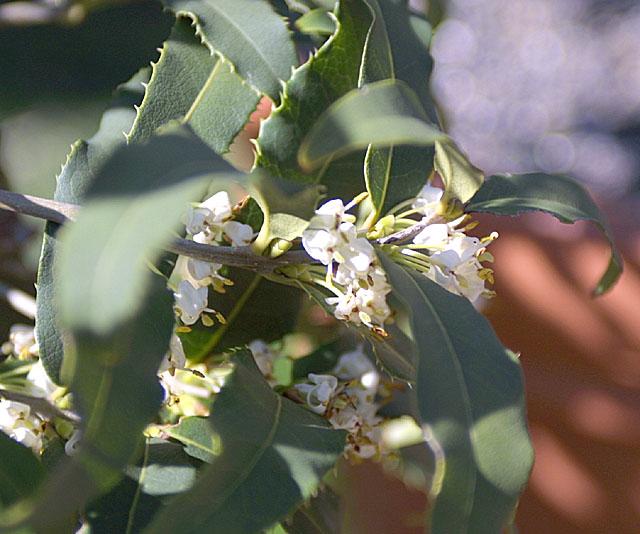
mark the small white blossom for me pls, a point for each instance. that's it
(175, 357)
(23, 341)
(17, 421)
(238, 233)
(219, 207)
(41, 384)
(191, 302)
(428, 199)
(355, 365)
(319, 393)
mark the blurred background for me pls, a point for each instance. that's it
(550, 85)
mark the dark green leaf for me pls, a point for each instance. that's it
(559, 196)
(20, 471)
(274, 454)
(189, 84)
(314, 86)
(249, 34)
(163, 471)
(383, 113)
(76, 175)
(471, 404)
(319, 515)
(316, 21)
(254, 307)
(198, 438)
(113, 378)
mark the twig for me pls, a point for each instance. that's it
(406, 234)
(244, 257)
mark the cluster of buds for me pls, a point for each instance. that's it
(353, 274)
(347, 399)
(209, 222)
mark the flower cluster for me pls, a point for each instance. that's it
(445, 254)
(353, 273)
(347, 399)
(210, 222)
(20, 423)
(22, 342)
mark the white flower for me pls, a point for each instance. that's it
(175, 357)
(42, 386)
(320, 244)
(190, 301)
(238, 233)
(22, 338)
(319, 393)
(355, 365)
(195, 219)
(427, 200)
(459, 249)
(17, 421)
(468, 280)
(203, 271)
(434, 235)
(356, 253)
(219, 207)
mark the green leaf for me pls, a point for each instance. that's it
(189, 84)
(135, 201)
(461, 179)
(20, 471)
(115, 387)
(319, 515)
(314, 86)
(316, 22)
(559, 196)
(198, 438)
(72, 183)
(383, 113)
(274, 454)
(471, 404)
(398, 46)
(163, 470)
(254, 308)
(249, 34)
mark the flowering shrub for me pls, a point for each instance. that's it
(180, 377)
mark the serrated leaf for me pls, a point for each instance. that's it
(72, 183)
(470, 399)
(136, 200)
(190, 84)
(325, 77)
(269, 464)
(559, 196)
(20, 471)
(163, 471)
(383, 113)
(461, 179)
(249, 34)
(198, 438)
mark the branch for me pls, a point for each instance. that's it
(40, 405)
(408, 234)
(243, 257)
